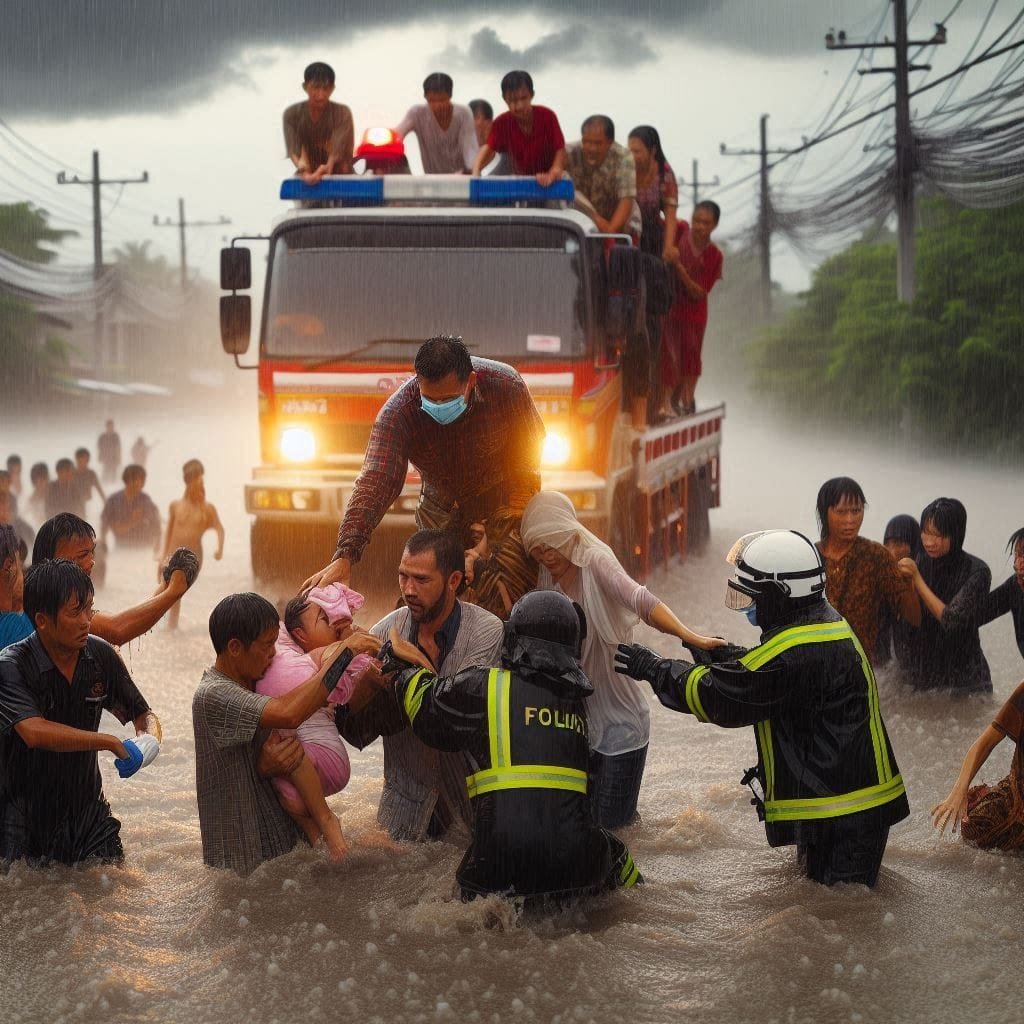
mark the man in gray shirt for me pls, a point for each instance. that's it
(241, 820)
(425, 789)
(445, 130)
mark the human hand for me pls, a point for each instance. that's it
(407, 651)
(544, 179)
(361, 642)
(908, 569)
(177, 583)
(118, 749)
(337, 571)
(636, 660)
(951, 812)
(671, 254)
(279, 755)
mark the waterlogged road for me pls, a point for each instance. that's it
(724, 930)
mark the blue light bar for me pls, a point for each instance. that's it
(427, 190)
(350, 190)
(505, 191)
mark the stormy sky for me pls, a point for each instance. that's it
(192, 90)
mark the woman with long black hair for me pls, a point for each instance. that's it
(953, 586)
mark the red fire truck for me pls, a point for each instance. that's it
(364, 268)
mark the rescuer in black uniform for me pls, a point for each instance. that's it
(829, 781)
(524, 728)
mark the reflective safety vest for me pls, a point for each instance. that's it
(781, 776)
(503, 773)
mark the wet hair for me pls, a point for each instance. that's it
(64, 464)
(831, 493)
(441, 355)
(449, 551)
(712, 207)
(294, 610)
(949, 517)
(241, 617)
(602, 121)
(318, 72)
(39, 472)
(79, 452)
(8, 543)
(906, 529)
(516, 80)
(482, 107)
(191, 470)
(1015, 538)
(63, 526)
(50, 585)
(438, 81)
(652, 140)
(13, 460)
(133, 472)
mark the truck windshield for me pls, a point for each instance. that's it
(368, 291)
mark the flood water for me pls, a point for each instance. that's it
(725, 929)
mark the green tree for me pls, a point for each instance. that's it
(135, 259)
(952, 363)
(25, 230)
(30, 358)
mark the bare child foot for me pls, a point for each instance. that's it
(336, 845)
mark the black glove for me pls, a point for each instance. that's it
(390, 663)
(717, 655)
(185, 560)
(637, 661)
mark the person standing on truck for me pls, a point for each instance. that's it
(530, 135)
(444, 130)
(318, 134)
(470, 428)
(604, 175)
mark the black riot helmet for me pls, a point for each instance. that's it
(549, 616)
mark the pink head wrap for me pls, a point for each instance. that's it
(338, 601)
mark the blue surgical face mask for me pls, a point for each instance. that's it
(751, 614)
(444, 412)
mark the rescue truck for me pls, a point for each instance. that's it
(363, 269)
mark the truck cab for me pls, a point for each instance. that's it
(364, 269)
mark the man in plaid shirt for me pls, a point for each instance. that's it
(470, 428)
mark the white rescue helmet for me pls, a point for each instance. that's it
(782, 561)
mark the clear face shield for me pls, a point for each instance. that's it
(738, 596)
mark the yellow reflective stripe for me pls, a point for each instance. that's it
(415, 690)
(764, 735)
(526, 776)
(882, 763)
(498, 685)
(834, 806)
(692, 693)
(628, 873)
(820, 632)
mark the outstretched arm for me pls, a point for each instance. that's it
(952, 811)
(664, 620)
(120, 627)
(41, 734)
(218, 528)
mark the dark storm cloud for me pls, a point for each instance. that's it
(65, 58)
(574, 44)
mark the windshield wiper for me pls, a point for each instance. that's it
(314, 364)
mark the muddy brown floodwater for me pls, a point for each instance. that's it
(725, 929)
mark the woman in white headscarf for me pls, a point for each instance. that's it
(576, 563)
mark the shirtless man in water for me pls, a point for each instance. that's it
(187, 520)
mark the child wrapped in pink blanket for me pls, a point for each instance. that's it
(314, 620)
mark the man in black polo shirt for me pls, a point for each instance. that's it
(54, 686)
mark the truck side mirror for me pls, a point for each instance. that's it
(235, 270)
(235, 323)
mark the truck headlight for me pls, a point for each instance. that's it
(298, 444)
(556, 449)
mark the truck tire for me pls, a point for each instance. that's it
(623, 531)
(698, 520)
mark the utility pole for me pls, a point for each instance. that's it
(181, 224)
(905, 155)
(696, 183)
(764, 217)
(97, 232)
